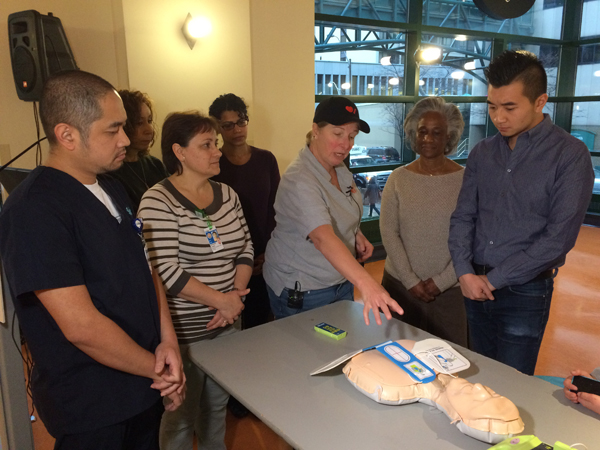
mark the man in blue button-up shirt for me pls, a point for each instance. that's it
(523, 199)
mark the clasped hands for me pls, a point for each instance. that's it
(425, 290)
(476, 287)
(169, 376)
(229, 310)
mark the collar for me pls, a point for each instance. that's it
(307, 157)
(533, 136)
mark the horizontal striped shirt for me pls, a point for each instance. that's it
(174, 230)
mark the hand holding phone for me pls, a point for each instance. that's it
(585, 384)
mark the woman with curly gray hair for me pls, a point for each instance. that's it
(416, 206)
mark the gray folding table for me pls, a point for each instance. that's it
(267, 369)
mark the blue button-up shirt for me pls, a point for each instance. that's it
(519, 211)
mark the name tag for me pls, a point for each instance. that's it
(214, 239)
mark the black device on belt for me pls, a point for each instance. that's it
(296, 297)
(485, 269)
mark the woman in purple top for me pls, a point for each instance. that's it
(254, 175)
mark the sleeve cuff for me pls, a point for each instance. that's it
(443, 283)
(463, 269)
(497, 280)
(244, 260)
(179, 284)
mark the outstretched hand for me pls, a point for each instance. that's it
(376, 299)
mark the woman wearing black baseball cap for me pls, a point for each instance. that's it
(314, 253)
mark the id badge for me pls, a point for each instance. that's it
(138, 225)
(213, 239)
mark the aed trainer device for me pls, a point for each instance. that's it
(330, 330)
(528, 442)
(585, 384)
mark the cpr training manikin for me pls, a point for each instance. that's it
(476, 410)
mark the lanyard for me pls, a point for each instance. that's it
(203, 214)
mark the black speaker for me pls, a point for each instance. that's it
(38, 48)
(504, 9)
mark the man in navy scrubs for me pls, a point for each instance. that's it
(94, 315)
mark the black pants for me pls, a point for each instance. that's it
(138, 433)
(257, 309)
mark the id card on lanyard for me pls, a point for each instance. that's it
(211, 232)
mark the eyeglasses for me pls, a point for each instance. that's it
(228, 126)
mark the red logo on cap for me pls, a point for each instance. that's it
(350, 109)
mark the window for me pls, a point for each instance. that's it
(359, 60)
(590, 25)
(358, 57)
(539, 21)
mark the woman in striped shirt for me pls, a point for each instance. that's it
(200, 245)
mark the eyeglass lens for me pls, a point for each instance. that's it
(229, 125)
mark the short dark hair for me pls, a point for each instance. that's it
(180, 128)
(72, 97)
(450, 112)
(228, 102)
(132, 101)
(510, 66)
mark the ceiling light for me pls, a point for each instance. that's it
(394, 81)
(386, 61)
(461, 37)
(429, 55)
(457, 74)
(421, 82)
(470, 65)
(346, 85)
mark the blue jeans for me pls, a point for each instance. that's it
(312, 299)
(510, 328)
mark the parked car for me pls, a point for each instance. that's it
(361, 160)
(361, 179)
(358, 150)
(383, 155)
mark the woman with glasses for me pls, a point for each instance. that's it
(139, 171)
(313, 258)
(254, 175)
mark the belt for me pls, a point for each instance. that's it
(485, 269)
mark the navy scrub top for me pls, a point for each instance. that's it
(55, 233)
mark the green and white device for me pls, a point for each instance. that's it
(528, 442)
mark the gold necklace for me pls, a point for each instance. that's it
(430, 173)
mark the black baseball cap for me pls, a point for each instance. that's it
(338, 111)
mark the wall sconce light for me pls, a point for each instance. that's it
(194, 28)
(429, 55)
